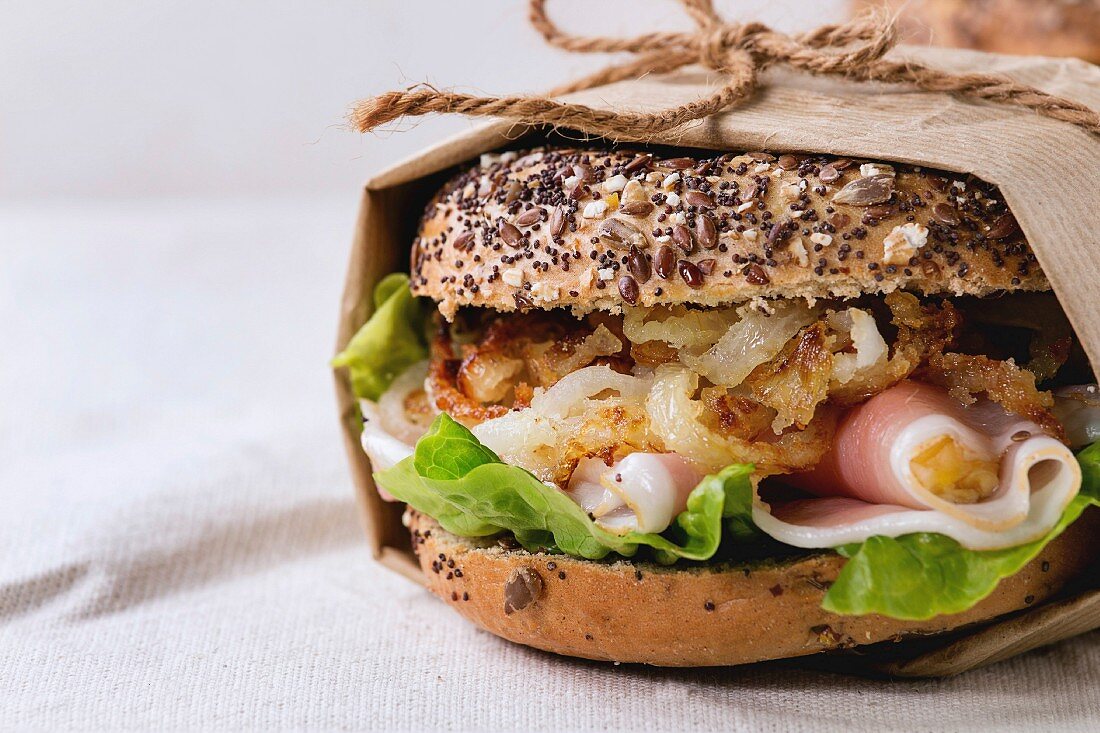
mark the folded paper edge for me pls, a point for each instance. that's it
(1047, 624)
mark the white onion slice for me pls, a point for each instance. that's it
(388, 434)
(676, 418)
(383, 450)
(870, 347)
(567, 396)
(753, 340)
(391, 405)
(679, 327)
(1078, 409)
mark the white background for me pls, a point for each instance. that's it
(117, 98)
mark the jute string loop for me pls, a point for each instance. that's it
(739, 51)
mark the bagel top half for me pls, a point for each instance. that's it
(594, 230)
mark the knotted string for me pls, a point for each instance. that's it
(739, 51)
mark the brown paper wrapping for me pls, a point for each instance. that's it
(1048, 171)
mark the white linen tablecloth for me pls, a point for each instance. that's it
(179, 546)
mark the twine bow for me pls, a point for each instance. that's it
(739, 51)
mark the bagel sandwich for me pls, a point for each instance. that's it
(697, 408)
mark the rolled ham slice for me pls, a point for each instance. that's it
(643, 492)
(912, 459)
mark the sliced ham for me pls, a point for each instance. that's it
(643, 492)
(912, 459)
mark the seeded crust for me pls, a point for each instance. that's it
(512, 233)
(705, 616)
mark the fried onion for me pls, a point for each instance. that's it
(796, 381)
(487, 374)
(923, 330)
(757, 338)
(595, 411)
(443, 390)
(678, 326)
(754, 384)
(677, 419)
(1013, 388)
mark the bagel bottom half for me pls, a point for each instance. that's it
(717, 614)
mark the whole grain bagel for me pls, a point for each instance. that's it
(720, 614)
(597, 229)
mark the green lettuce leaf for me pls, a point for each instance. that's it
(467, 488)
(918, 576)
(391, 341)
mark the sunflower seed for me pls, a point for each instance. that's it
(779, 233)
(557, 221)
(867, 191)
(622, 234)
(513, 191)
(698, 199)
(510, 234)
(637, 208)
(529, 217)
